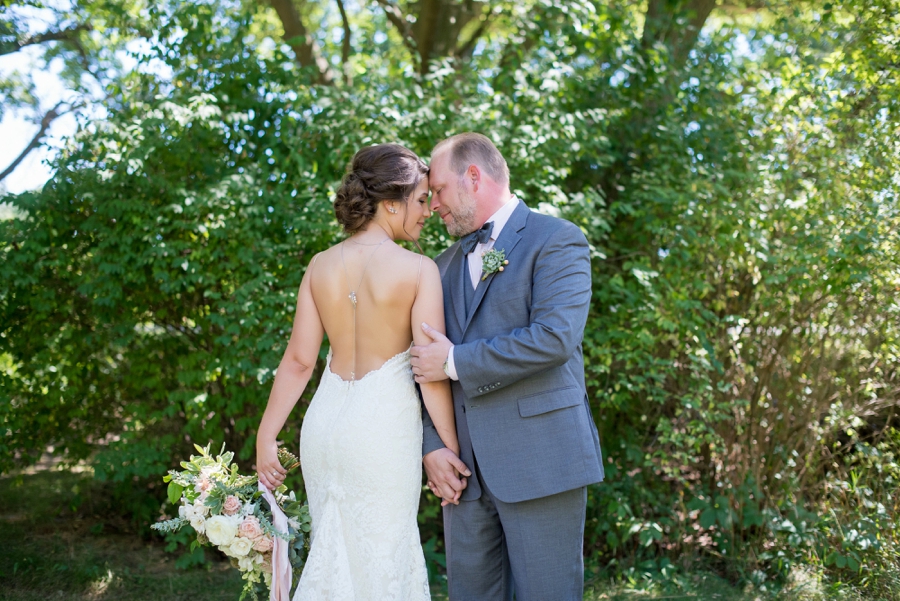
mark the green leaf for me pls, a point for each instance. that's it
(174, 492)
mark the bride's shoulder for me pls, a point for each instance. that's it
(408, 267)
(323, 256)
(408, 260)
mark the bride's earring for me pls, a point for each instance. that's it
(392, 210)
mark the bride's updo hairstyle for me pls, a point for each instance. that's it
(376, 173)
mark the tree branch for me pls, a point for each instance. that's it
(655, 21)
(345, 46)
(395, 16)
(46, 120)
(69, 34)
(466, 49)
(426, 25)
(698, 12)
(305, 49)
(661, 24)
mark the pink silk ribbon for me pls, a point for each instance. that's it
(281, 565)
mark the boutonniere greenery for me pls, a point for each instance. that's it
(492, 261)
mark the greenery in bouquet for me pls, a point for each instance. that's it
(228, 511)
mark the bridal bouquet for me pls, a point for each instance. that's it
(240, 517)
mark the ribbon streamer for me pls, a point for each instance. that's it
(281, 565)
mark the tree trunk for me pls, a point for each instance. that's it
(301, 41)
(437, 27)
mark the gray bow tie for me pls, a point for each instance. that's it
(480, 236)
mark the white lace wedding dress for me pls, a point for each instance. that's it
(361, 456)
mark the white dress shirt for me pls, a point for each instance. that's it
(499, 218)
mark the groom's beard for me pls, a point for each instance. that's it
(463, 217)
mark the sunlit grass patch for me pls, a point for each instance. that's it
(700, 585)
(60, 543)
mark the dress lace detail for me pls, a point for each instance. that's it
(361, 453)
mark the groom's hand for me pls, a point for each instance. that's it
(444, 469)
(428, 361)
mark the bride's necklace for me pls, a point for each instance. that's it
(368, 243)
(353, 291)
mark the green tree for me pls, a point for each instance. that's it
(734, 169)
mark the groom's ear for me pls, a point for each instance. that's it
(473, 174)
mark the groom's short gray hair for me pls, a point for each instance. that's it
(472, 148)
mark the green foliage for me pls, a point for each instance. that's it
(741, 203)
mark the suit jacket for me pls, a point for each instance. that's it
(520, 403)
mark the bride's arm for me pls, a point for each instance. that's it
(429, 305)
(291, 379)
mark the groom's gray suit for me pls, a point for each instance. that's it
(522, 415)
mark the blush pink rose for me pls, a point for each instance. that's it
(232, 505)
(250, 528)
(263, 545)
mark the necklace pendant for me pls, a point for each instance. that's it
(352, 297)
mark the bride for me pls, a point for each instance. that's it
(361, 439)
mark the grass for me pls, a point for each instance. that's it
(697, 586)
(804, 585)
(63, 542)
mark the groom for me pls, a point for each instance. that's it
(513, 353)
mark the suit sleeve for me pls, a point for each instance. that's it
(561, 296)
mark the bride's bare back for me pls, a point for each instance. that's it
(386, 280)
(383, 198)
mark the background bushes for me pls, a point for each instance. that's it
(737, 184)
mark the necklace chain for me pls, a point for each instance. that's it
(352, 295)
(368, 243)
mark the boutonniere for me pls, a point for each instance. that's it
(492, 261)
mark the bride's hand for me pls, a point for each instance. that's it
(445, 473)
(268, 468)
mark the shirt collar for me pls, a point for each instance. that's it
(502, 216)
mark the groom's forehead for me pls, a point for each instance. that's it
(437, 168)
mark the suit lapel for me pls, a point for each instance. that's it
(451, 283)
(506, 242)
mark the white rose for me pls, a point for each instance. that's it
(220, 530)
(186, 512)
(246, 563)
(198, 524)
(240, 546)
(201, 508)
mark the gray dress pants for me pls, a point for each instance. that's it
(530, 551)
